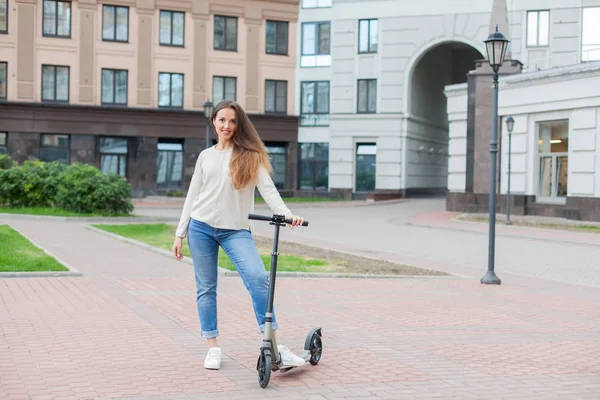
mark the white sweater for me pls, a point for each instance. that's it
(213, 199)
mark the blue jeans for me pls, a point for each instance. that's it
(204, 242)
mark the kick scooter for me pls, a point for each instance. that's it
(269, 358)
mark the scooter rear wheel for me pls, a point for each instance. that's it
(264, 369)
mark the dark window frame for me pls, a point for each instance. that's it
(171, 13)
(369, 21)
(287, 38)
(5, 31)
(181, 142)
(5, 145)
(314, 162)
(237, 33)
(275, 81)
(369, 94)
(55, 83)
(114, 88)
(115, 7)
(4, 96)
(224, 85)
(317, 39)
(315, 102)
(56, 35)
(67, 147)
(119, 155)
(171, 89)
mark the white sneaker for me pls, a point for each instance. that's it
(213, 358)
(289, 359)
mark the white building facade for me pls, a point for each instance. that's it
(372, 75)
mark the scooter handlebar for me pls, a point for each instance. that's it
(273, 218)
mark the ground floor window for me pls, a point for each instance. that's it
(278, 158)
(365, 166)
(113, 155)
(169, 165)
(54, 148)
(314, 166)
(3, 143)
(553, 152)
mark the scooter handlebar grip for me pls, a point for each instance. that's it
(271, 219)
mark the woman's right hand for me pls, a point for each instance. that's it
(177, 248)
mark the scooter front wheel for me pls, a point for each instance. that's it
(264, 368)
(315, 348)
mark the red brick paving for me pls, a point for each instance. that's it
(128, 329)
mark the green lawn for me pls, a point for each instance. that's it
(55, 212)
(17, 254)
(162, 236)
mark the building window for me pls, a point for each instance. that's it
(113, 155)
(365, 166)
(367, 96)
(170, 90)
(225, 33)
(368, 35)
(3, 143)
(277, 37)
(275, 96)
(538, 28)
(277, 156)
(169, 164)
(314, 107)
(316, 3)
(57, 18)
(172, 28)
(114, 86)
(54, 148)
(315, 44)
(55, 83)
(115, 23)
(553, 152)
(314, 166)
(590, 43)
(224, 88)
(3, 16)
(3, 80)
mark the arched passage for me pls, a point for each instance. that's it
(441, 64)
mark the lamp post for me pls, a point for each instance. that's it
(208, 109)
(495, 46)
(510, 124)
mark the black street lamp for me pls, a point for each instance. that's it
(495, 46)
(510, 124)
(208, 109)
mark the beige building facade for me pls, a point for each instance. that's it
(109, 82)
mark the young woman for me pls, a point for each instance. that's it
(215, 213)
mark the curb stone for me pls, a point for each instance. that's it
(289, 274)
(72, 272)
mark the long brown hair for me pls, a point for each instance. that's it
(249, 152)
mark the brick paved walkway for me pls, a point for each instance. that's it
(128, 329)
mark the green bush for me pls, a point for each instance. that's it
(78, 187)
(5, 161)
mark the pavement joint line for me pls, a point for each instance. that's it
(288, 274)
(72, 271)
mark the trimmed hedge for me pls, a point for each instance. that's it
(77, 187)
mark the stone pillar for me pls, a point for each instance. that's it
(145, 12)
(87, 29)
(292, 166)
(82, 148)
(253, 20)
(200, 16)
(26, 10)
(141, 165)
(191, 150)
(479, 123)
(23, 146)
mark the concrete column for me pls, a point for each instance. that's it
(200, 16)
(145, 12)
(26, 10)
(253, 19)
(87, 29)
